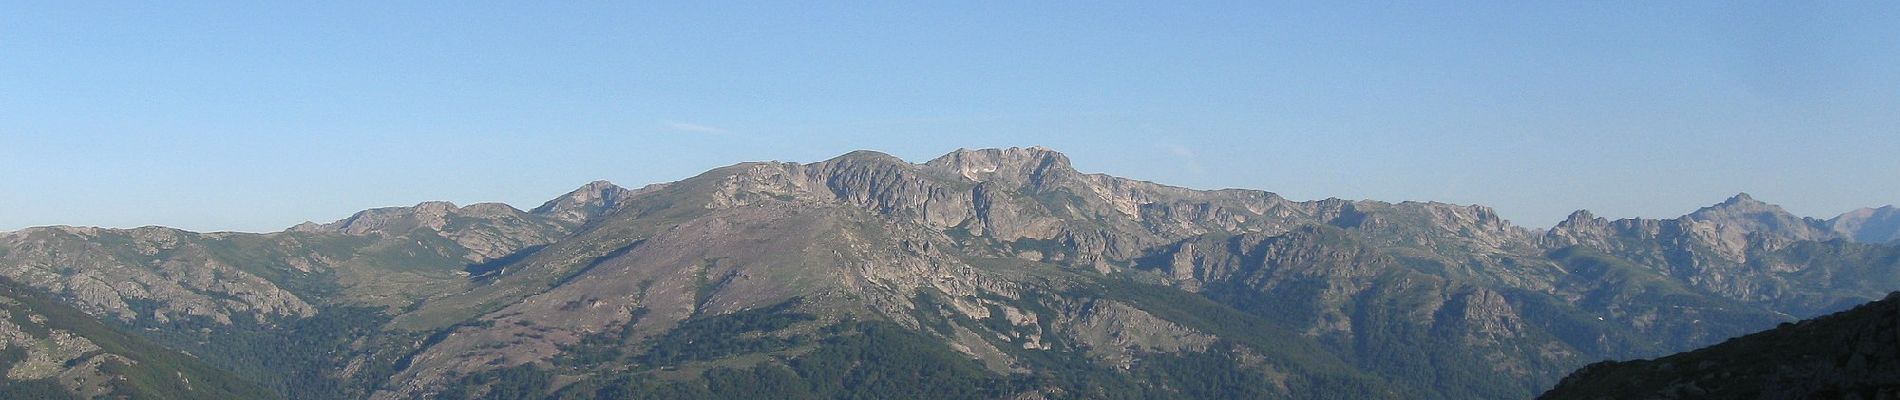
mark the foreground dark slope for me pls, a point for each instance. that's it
(1846, 355)
(979, 274)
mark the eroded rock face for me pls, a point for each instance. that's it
(1119, 333)
(1484, 316)
(592, 201)
(1033, 166)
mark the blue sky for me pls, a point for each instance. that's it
(255, 116)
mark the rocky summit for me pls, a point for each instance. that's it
(991, 273)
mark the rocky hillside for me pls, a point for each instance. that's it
(52, 351)
(994, 273)
(1846, 355)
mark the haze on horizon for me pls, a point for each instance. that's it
(254, 117)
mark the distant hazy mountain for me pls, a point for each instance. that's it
(1749, 215)
(1847, 355)
(995, 273)
(1869, 225)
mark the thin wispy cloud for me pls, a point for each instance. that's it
(693, 128)
(1180, 150)
(1187, 157)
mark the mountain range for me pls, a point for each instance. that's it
(992, 273)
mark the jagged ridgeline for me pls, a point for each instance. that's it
(996, 273)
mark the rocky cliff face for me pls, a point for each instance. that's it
(586, 204)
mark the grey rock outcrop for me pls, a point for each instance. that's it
(583, 205)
